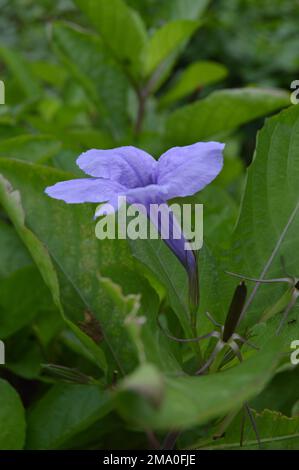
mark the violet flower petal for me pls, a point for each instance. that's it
(176, 240)
(129, 165)
(151, 194)
(187, 170)
(85, 190)
(165, 222)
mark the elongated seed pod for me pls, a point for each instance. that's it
(234, 311)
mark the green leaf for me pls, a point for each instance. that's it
(23, 295)
(34, 148)
(21, 72)
(276, 432)
(182, 9)
(49, 72)
(91, 65)
(269, 220)
(263, 333)
(87, 138)
(220, 113)
(190, 401)
(194, 77)
(170, 273)
(12, 418)
(138, 313)
(121, 29)
(123, 307)
(24, 355)
(67, 233)
(172, 276)
(64, 412)
(13, 254)
(167, 40)
(11, 201)
(157, 11)
(146, 381)
(281, 394)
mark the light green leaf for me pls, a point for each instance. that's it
(91, 65)
(87, 138)
(281, 394)
(167, 40)
(21, 72)
(276, 432)
(64, 412)
(33, 148)
(11, 201)
(263, 333)
(13, 255)
(122, 31)
(138, 313)
(12, 418)
(49, 72)
(182, 9)
(172, 275)
(190, 401)
(269, 220)
(146, 381)
(220, 113)
(194, 76)
(23, 295)
(169, 271)
(68, 233)
(159, 11)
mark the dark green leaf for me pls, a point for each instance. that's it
(63, 412)
(12, 418)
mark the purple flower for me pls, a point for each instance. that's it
(133, 173)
